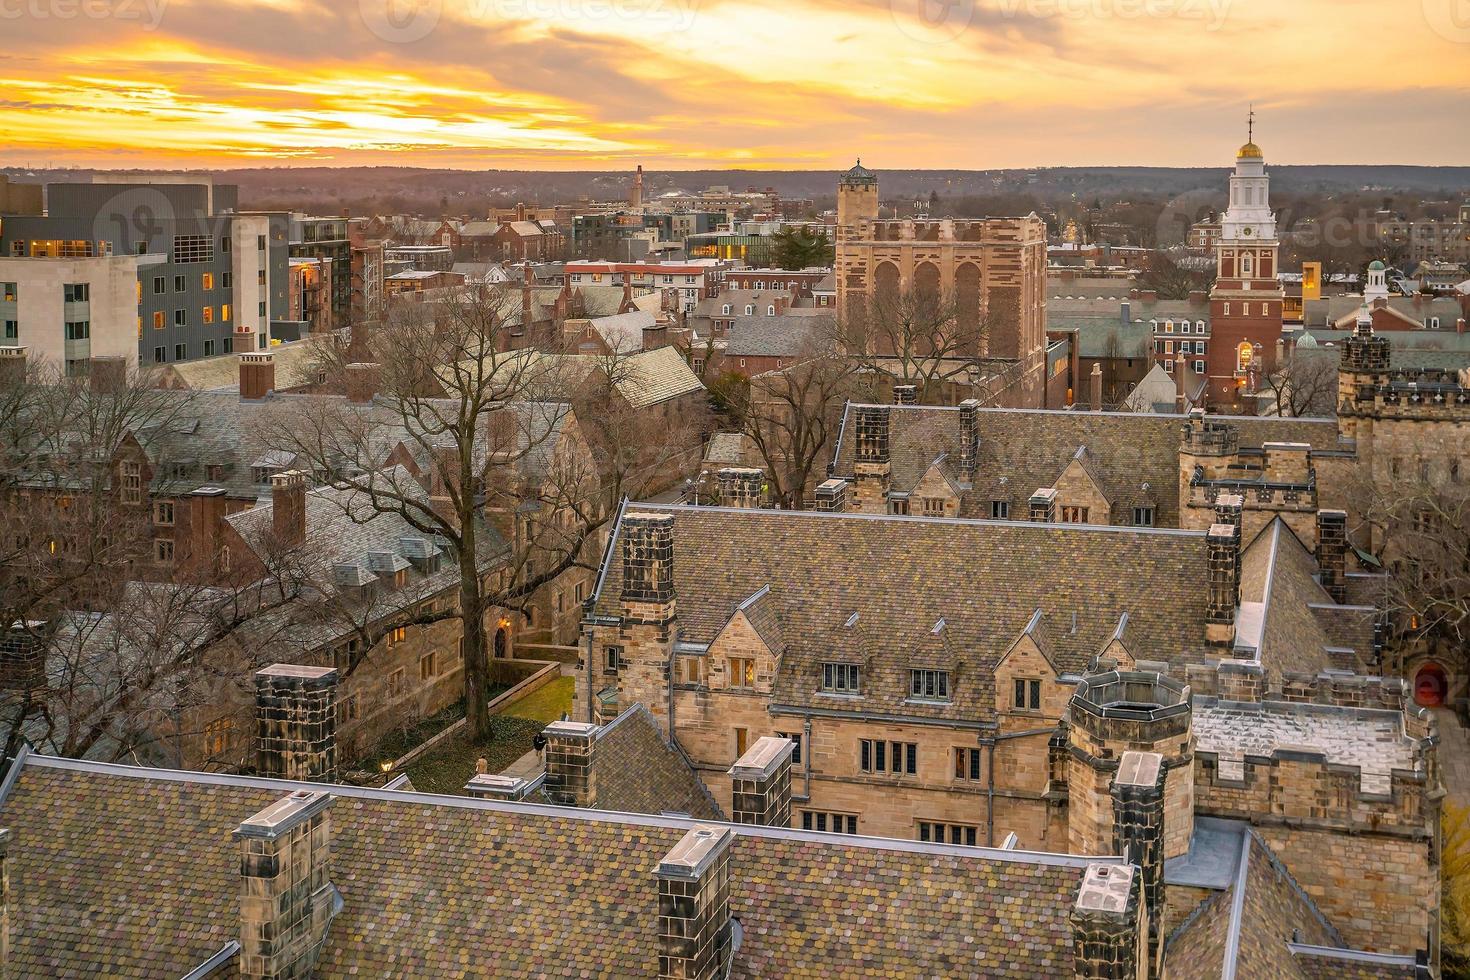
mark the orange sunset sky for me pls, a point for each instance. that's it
(596, 84)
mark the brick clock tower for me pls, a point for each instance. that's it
(1245, 304)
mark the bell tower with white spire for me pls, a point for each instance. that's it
(1246, 301)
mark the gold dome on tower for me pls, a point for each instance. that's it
(1250, 152)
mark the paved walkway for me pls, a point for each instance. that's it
(1454, 756)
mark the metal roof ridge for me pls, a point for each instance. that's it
(920, 518)
(570, 813)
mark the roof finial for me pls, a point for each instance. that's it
(1250, 125)
(860, 161)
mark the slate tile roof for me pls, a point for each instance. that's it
(132, 873)
(1244, 931)
(777, 336)
(294, 364)
(871, 589)
(1291, 638)
(638, 771)
(1022, 449)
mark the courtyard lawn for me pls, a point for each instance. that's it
(546, 704)
(452, 763)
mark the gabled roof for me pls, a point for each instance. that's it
(1265, 925)
(776, 336)
(1135, 456)
(894, 578)
(132, 873)
(295, 365)
(638, 771)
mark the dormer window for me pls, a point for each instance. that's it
(749, 310)
(841, 678)
(929, 685)
(725, 309)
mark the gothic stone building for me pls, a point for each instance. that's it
(967, 681)
(991, 271)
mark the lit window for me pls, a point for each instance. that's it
(397, 635)
(742, 672)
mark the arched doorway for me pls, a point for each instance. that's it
(502, 641)
(1430, 686)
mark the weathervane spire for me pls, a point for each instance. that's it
(1250, 125)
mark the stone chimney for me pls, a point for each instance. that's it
(1222, 546)
(498, 786)
(363, 381)
(1094, 382)
(23, 656)
(107, 375)
(288, 508)
(1044, 505)
(694, 926)
(1230, 509)
(1106, 923)
(257, 375)
(905, 394)
(761, 783)
(570, 777)
(13, 362)
(1138, 831)
(872, 467)
(832, 496)
(969, 438)
(287, 899)
(1332, 552)
(741, 487)
(648, 613)
(296, 722)
(206, 512)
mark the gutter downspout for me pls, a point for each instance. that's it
(989, 742)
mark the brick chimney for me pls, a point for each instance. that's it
(761, 783)
(570, 776)
(288, 508)
(626, 306)
(206, 512)
(527, 278)
(12, 366)
(1332, 552)
(741, 486)
(1106, 923)
(257, 375)
(905, 394)
(1044, 505)
(1138, 831)
(363, 382)
(694, 906)
(831, 496)
(1222, 549)
(656, 336)
(1094, 384)
(287, 899)
(296, 722)
(107, 375)
(969, 438)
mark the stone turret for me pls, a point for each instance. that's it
(1128, 711)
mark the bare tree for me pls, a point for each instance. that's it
(790, 417)
(914, 336)
(514, 488)
(1304, 384)
(1420, 529)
